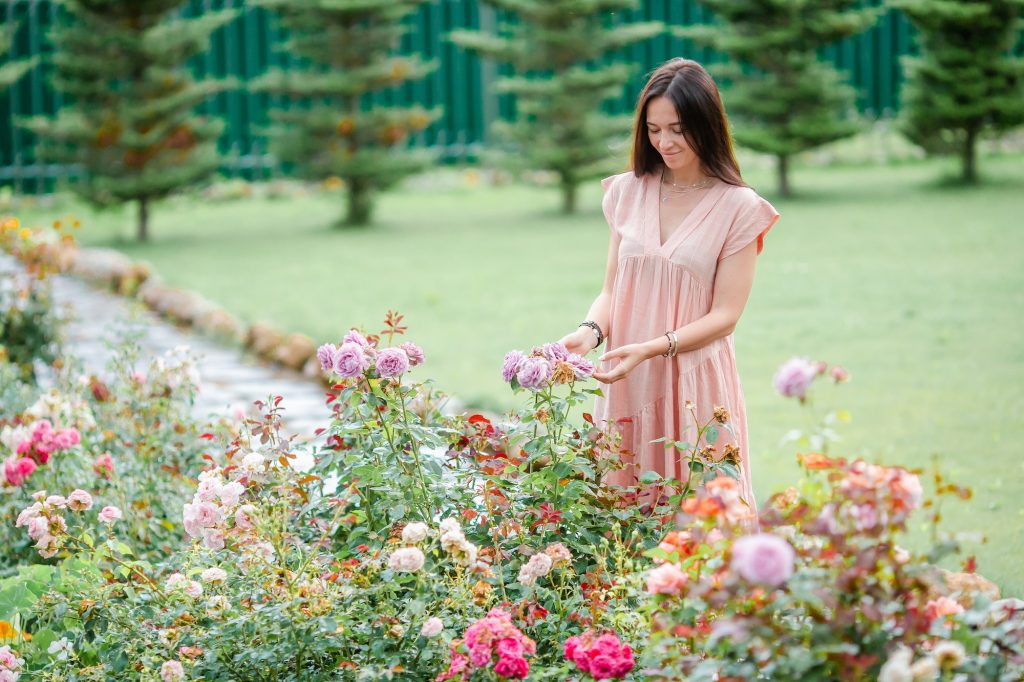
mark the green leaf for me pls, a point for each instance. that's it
(711, 435)
(650, 477)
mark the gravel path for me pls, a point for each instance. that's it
(229, 379)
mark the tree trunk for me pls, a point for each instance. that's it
(782, 169)
(569, 187)
(360, 205)
(969, 168)
(143, 226)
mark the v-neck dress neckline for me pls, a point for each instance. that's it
(685, 227)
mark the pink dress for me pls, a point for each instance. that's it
(661, 287)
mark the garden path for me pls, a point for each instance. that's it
(229, 379)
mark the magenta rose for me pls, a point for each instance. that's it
(325, 354)
(350, 360)
(415, 353)
(512, 668)
(355, 337)
(763, 558)
(511, 365)
(794, 377)
(18, 469)
(534, 373)
(392, 362)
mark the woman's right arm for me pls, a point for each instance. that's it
(584, 340)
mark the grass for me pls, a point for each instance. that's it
(912, 284)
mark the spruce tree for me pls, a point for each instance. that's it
(130, 125)
(352, 46)
(783, 98)
(554, 50)
(965, 80)
(11, 72)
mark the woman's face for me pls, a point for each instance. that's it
(665, 131)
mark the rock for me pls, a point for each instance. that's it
(105, 266)
(294, 351)
(263, 339)
(963, 587)
(220, 324)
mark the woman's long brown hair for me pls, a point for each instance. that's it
(699, 106)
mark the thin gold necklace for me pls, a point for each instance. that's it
(670, 188)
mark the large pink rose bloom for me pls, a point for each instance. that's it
(793, 378)
(325, 354)
(350, 360)
(534, 373)
(666, 579)
(392, 362)
(764, 559)
(511, 365)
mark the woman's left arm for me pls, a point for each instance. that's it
(733, 280)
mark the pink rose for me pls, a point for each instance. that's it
(432, 628)
(415, 353)
(110, 514)
(666, 579)
(243, 517)
(355, 337)
(230, 492)
(171, 671)
(554, 352)
(350, 361)
(603, 667)
(38, 527)
(794, 377)
(510, 366)
(213, 538)
(79, 500)
(207, 514)
(571, 645)
(18, 469)
(194, 589)
(325, 354)
(839, 374)
(582, 367)
(103, 465)
(510, 647)
(392, 362)
(763, 558)
(513, 668)
(406, 560)
(534, 373)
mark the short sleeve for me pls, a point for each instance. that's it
(610, 202)
(752, 222)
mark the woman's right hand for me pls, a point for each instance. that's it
(581, 341)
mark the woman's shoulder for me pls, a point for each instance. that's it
(621, 181)
(745, 198)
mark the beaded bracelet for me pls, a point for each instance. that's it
(597, 330)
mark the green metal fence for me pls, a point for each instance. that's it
(462, 85)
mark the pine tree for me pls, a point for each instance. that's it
(352, 45)
(965, 81)
(783, 98)
(559, 86)
(11, 72)
(131, 125)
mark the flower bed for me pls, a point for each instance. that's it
(426, 547)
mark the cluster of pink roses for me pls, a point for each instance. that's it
(357, 354)
(492, 637)
(217, 500)
(873, 498)
(34, 451)
(45, 522)
(795, 376)
(549, 364)
(540, 564)
(10, 664)
(603, 657)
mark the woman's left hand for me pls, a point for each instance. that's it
(629, 356)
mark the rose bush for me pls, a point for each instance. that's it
(426, 546)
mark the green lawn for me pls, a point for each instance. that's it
(916, 287)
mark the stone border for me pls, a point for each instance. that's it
(113, 270)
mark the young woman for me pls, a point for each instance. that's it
(685, 233)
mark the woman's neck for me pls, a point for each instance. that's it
(684, 176)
